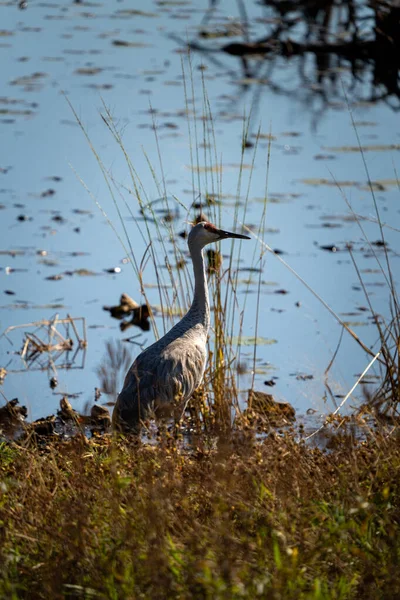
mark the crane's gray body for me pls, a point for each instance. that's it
(165, 375)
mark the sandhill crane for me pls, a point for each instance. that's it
(165, 375)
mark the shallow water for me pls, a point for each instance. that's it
(51, 226)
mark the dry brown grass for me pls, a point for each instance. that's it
(227, 518)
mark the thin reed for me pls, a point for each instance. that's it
(164, 260)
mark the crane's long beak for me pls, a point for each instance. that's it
(228, 234)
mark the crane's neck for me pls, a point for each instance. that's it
(200, 308)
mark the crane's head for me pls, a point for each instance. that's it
(206, 233)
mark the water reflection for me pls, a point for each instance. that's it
(46, 345)
(111, 371)
(339, 52)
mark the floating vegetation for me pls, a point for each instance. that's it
(205, 169)
(251, 341)
(82, 272)
(125, 44)
(315, 181)
(377, 185)
(131, 312)
(30, 82)
(369, 148)
(131, 12)
(380, 185)
(265, 136)
(89, 70)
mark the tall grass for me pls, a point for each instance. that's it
(271, 519)
(165, 260)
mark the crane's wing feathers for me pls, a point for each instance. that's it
(157, 377)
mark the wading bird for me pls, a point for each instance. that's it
(165, 375)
